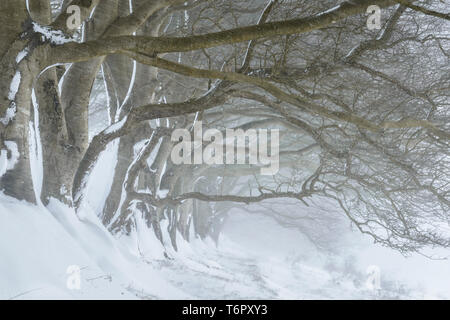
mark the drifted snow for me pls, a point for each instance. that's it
(255, 258)
(130, 90)
(102, 176)
(38, 244)
(54, 36)
(12, 146)
(5, 163)
(14, 87)
(10, 113)
(61, 81)
(22, 54)
(36, 161)
(162, 193)
(139, 146)
(116, 126)
(136, 158)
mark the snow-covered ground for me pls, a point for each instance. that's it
(38, 246)
(255, 259)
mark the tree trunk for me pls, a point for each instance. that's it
(15, 87)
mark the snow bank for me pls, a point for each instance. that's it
(38, 245)
(255, 258)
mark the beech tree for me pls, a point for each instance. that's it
(363, 113)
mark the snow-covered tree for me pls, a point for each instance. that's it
(362, 112)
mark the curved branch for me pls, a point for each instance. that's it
(242, 199)
(216, 96)
(76, 52)
(426, 11)
(283, 96)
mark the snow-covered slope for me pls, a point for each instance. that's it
(255, 258)
(38, 245)
(259, 259)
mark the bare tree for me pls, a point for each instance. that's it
(363, 113)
